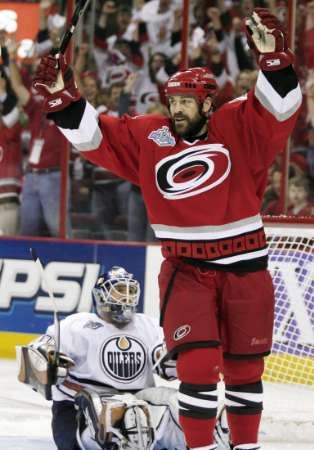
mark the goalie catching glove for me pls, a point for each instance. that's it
(38, 366)
(54, 80)
(268, 39)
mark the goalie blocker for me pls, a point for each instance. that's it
(37, 366)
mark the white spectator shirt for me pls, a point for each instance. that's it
(146, 93)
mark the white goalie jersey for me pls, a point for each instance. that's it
(106, 357)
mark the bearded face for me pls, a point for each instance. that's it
(187, 117)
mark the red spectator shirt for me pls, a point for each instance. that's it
(46, 143)
(274, 208)
(10, 161)
(307, 211)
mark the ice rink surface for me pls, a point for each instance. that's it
(25, 416)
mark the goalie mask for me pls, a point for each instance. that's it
(116, 295)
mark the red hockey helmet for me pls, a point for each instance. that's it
(198, 81)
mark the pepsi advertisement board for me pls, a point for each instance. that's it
(71, 270)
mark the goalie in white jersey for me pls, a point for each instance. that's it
(106, 359)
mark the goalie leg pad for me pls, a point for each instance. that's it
(119, 421)
(91, 409)
(137, 428)
(163, 407)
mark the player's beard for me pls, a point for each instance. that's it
(189, 128)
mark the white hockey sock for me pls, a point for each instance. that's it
(207, 447)
(247, 447)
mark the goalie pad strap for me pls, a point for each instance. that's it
(74, 386)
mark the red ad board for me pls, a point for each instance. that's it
(27, 18)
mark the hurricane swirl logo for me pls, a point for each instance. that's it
(192, 171)
(181, 332)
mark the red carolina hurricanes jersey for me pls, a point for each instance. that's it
(203, 198)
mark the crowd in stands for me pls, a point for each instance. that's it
(121, 65)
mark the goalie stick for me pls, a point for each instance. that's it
(40, 369)
(53, 300)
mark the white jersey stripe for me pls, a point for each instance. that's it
(251, 396)
(281, 108)
(197, 401)
(208, 232)
(88, 136)
(241, 257)
(233, 403)
(209, 393)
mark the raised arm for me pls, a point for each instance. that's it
(106, 141)
(9, 113)
(15, 77)
(266, 116)
(277, 89)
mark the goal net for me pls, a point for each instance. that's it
(289, 392)
(291, 263)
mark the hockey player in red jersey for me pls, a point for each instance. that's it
(202, 175)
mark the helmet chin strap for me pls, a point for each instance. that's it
(209, 112)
